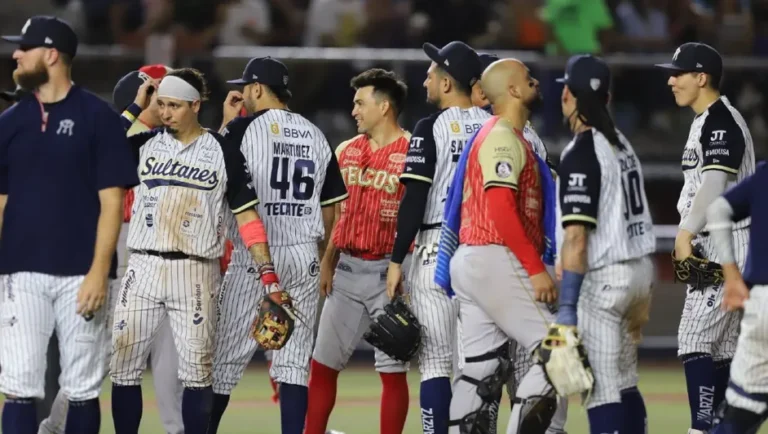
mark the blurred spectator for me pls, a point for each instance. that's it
(197, 24)
(288, 22)
(760, 26)
(644, 26)
(334, 23)
(439, 19)
(132, 21)
(247, 23)
(521, 26)
(578, 26)
(682, 22)
(386, 25)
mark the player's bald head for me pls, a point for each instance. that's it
(500, 76)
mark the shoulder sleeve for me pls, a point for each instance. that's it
(333, 189)
(501, 157)
(421, 158)
(343, 145)
(115, 163)
(740, 196)
(7, 131)
(579, 183)
(240, 192)
(722, 141)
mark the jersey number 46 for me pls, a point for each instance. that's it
(299, 180)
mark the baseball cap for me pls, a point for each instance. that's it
(458, 59)
(486, 59)
(264, 70)
(695, 57)
(127, 87)
(46, 31)
(587, 73)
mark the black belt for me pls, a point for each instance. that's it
(429, 226)
(168, 255)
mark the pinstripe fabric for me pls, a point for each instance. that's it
(182, 212)
(358, 295)
(704, 326)
(606, 297)
(748, 367)
(151, 289)
(238, 300)
(32, 306)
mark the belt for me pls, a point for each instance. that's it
(430, 226)
(363, 255)
(168, 255)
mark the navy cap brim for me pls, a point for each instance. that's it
(12, 39)
(239, 81)
(432, 52)
(669, 66)
(563, 80)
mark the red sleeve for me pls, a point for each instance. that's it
(224, 260)
(127, 205)
(503, 211)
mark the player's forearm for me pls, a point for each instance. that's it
(713, 183)
(720, 225)
(130, 115)
(574, 260)
(409, 218)
(107, 230)
(255, 238)
(329, 221)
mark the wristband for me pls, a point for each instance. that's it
(267, 274)
(253, 233)
(570, 287)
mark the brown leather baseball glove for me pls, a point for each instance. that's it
(275, 320)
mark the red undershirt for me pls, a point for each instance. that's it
(502, 207)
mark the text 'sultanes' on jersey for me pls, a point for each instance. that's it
(294, 172)
(369, 216)
(719, 139)
(186, 191)
(601, 186)
(435, 148)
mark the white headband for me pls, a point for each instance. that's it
(175, 87)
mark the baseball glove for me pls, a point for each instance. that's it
(637, 317)
(396, 332)
(565, 361)
(275, 321)
(697, 271)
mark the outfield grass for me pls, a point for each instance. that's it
(251, 410)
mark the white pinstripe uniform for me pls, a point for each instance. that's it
(719, 139)
(601, 185)
(445, 133)
(295, 175)
(176, 238)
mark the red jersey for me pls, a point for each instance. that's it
(368, 219)
(503, 159)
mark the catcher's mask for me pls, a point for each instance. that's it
(274, 326)
(396, 332)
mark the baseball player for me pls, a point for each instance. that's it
(745, 397)
(188, 176)
(65, 144)
(718, 152)
(522, 359)
(434, 150)
(495, 212)
(297, 178)
(605, 241)
(353, 268)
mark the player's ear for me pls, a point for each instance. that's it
(385, 106)
(196, 106)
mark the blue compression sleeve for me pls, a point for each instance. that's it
(569, 297)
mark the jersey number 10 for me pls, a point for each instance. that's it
(300, 182)
(633, 196)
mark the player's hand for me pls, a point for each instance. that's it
(683, 246)
(544, 289)
(232, 106)
(92, 294)
(144, 94)
(394, 280)
(736, 291)
(326, 277)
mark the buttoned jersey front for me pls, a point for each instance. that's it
(181, 201)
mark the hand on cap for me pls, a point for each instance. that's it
(232, 106)
(144, 95)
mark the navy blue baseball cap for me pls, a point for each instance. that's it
(126, 89)
(264, 70)
(486, 59)
(46, 31)
(458, 59)
(695, 57)
(585, 73)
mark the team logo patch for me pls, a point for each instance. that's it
(128, 282)
(275, 128)
(314, 268)
(353, 152)
(455, 127)
(197, 319)
(503, 169)
(397, 158)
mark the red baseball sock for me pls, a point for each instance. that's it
(322, 397)
(275, 392)
(394, 402)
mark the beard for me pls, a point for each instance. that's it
(31, 80)
(535, 103)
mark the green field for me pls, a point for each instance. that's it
(252, 411)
